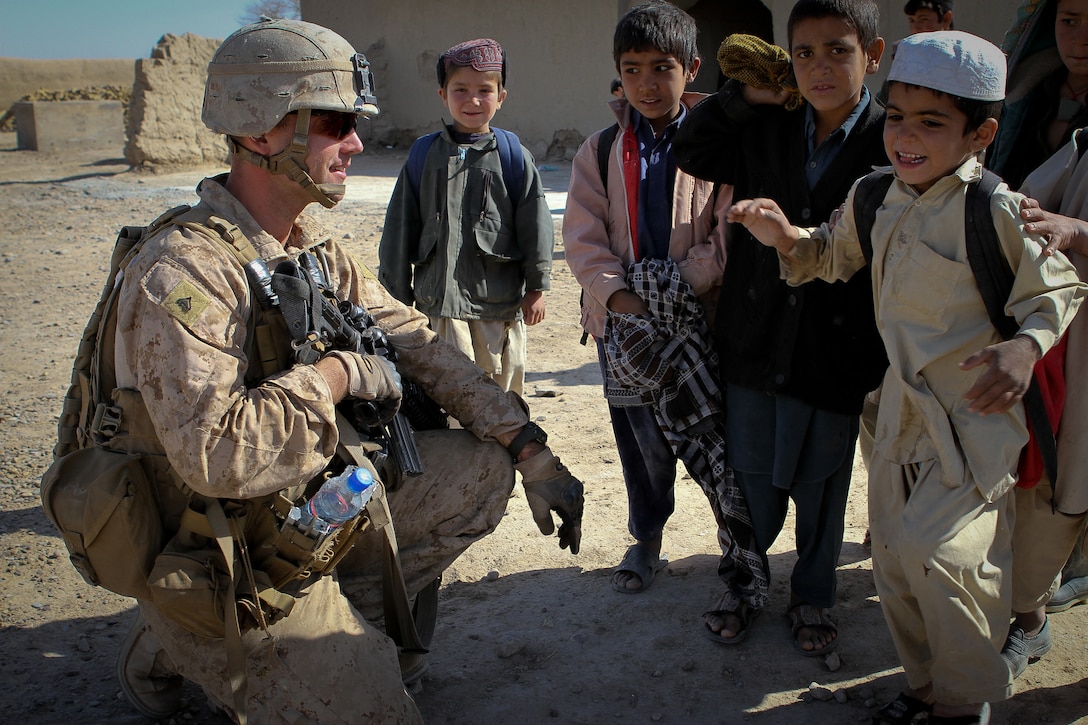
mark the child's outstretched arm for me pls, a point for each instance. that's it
(766, 222)
(1010, 364)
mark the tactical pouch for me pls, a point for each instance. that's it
(190, 587)
(104, 506)
(191, 584)
(287, 553)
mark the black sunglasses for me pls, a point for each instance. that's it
(337, 124)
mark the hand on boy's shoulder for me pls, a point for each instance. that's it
(764, 96)
(1062, 233)
(1006, 378)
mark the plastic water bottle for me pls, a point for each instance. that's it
(339, 499)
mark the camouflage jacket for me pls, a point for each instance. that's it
(182, 323)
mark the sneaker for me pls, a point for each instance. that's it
(1069, 594)
(147, 675)
(1020, 649)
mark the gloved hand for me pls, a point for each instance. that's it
(372, 378)
(549, 486)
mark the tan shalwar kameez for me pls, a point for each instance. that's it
(940, 518)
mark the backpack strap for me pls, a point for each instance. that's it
(868, 196)
(417, 159)
(992, 272)
(511, 159)
(995, 280)
(604, 150)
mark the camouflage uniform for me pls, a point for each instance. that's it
(182, 327)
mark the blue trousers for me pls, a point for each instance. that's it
(782, 449)
(649, 466)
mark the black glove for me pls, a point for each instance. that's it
(549, 486)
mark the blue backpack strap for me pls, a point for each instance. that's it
(417, 158)
(513, 163)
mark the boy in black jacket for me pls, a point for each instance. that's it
(796, 362)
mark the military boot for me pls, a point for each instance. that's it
(147, 674)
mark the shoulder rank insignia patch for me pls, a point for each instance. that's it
(185, 302)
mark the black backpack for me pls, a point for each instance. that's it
(992, 274)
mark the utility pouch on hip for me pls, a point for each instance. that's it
(103, 504)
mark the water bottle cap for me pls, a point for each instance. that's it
(359, 480)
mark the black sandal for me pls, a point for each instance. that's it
(903, 710)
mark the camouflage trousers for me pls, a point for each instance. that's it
(324, 663)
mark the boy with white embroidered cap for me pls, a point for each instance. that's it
(950, 426)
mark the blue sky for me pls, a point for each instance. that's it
(108, 28)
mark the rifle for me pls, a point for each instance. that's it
(318, 322)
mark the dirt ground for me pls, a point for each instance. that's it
(527, 633)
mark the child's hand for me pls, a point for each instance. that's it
(532, 307)
(1003, 385)
(765, 220)
(625, 302)
(1061, 232)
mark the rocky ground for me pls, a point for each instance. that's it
(527, 633)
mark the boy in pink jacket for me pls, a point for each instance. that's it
(628, 202)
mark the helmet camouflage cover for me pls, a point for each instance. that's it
(268, 69)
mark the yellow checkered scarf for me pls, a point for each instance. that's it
(757, 63)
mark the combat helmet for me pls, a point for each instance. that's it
(266, 70)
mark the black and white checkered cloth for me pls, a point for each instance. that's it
(668, 361)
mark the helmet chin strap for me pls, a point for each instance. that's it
(292, 163)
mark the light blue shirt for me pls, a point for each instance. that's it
(820, 157)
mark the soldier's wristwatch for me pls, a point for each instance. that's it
(531, 432)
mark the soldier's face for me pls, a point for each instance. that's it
(331, 143)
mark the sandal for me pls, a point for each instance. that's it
(743, 611)
(641, 561)
(903, 710)
(807, 615)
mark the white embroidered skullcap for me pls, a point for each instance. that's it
(952, 62)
